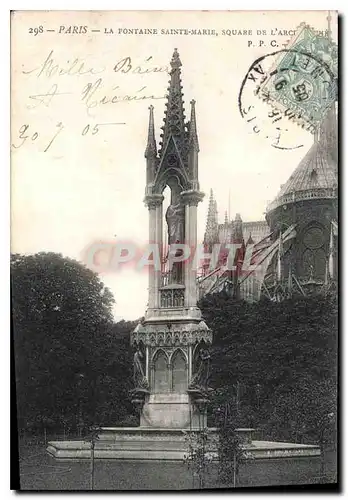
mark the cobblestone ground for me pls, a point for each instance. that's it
(39, 471)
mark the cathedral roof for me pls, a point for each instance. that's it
(315, 170)
(316, 174)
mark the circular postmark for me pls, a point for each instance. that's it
(297, 86)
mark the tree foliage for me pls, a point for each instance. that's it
(276, 364)
(71, 361)
(231, 453)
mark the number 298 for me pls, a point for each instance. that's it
(36, 31)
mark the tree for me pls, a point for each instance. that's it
(199, 455)
(68, 360)
(231, 453)
(276, 363)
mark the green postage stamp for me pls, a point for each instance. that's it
(304, 78)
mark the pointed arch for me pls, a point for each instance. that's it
(179, 371)
(159, 352)
(175, 352)
(172, 177)
(160, 362)
(171, 164)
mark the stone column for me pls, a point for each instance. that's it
(191, 200)
(147, 371)
(187, 264)
(189, 363)
(152, 376)
(159, 242)
(170, 376)
(154, 203)
(192, 276)
(152, 239)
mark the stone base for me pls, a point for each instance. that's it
(139, 443)
(172, 411)
(274, 449)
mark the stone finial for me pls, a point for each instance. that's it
(175, 62)
(151, 148)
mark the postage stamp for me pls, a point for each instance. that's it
(270, 121)
(304, 77)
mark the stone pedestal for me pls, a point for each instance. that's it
(171, 411)
(171, 346)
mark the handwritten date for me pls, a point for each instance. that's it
(26, 133)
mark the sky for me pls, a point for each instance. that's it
(77, 164)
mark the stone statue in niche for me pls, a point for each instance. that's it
(140, 380)
(175, 217)
(201, 378)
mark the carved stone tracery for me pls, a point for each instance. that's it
(173, 338)
(172, 298)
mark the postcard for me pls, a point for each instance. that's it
(174, 248)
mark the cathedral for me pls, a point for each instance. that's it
(297, 242)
